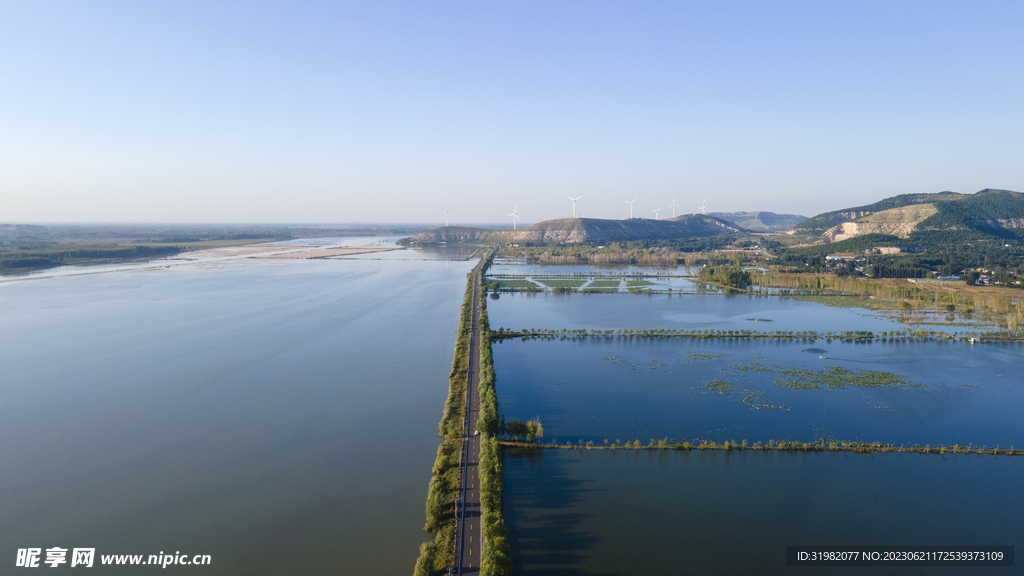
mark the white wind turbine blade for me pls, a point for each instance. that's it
(630, 202)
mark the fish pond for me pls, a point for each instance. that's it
(652, 513)
(620, 388)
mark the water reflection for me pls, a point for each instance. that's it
(546, 534)
(669, 513)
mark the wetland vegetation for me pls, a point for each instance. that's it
(496, 553)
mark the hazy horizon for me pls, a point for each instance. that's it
(387, 113)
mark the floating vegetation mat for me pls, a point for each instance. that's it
(830, 377)
(698, 356)
(746, 396)
(650, 365)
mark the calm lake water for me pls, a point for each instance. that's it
(669, 513)
(638, 388)
(279, 416)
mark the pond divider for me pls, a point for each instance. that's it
(775, 446)
(740, 334)
(436, 557)
(496, 552)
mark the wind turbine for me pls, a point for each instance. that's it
(573, 203)
(514, 216)
(674, 206)
(630, 202)
(446, 217)
(704, 207)
(655, 213)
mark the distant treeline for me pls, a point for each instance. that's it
(14, 260)
(637, 253)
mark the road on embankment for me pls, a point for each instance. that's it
(469, 525)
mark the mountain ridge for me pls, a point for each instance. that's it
(584, 230)
(761, 220)
(989, 212)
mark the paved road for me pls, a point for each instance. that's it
(469, 528)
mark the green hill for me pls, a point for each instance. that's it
(929, 219)
(822, 222)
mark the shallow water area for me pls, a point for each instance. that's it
(626, 389)
(683, 312)
(576, 512)
(280, 417)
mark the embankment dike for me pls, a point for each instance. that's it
(464, 498)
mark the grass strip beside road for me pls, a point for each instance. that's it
(496, 552)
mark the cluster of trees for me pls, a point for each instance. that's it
(732, 276)
(897, 269)
(530, 430)
(15, 260)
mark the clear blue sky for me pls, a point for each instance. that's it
(380, 111)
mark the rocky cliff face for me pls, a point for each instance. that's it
(840, 217)
(895, 222)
